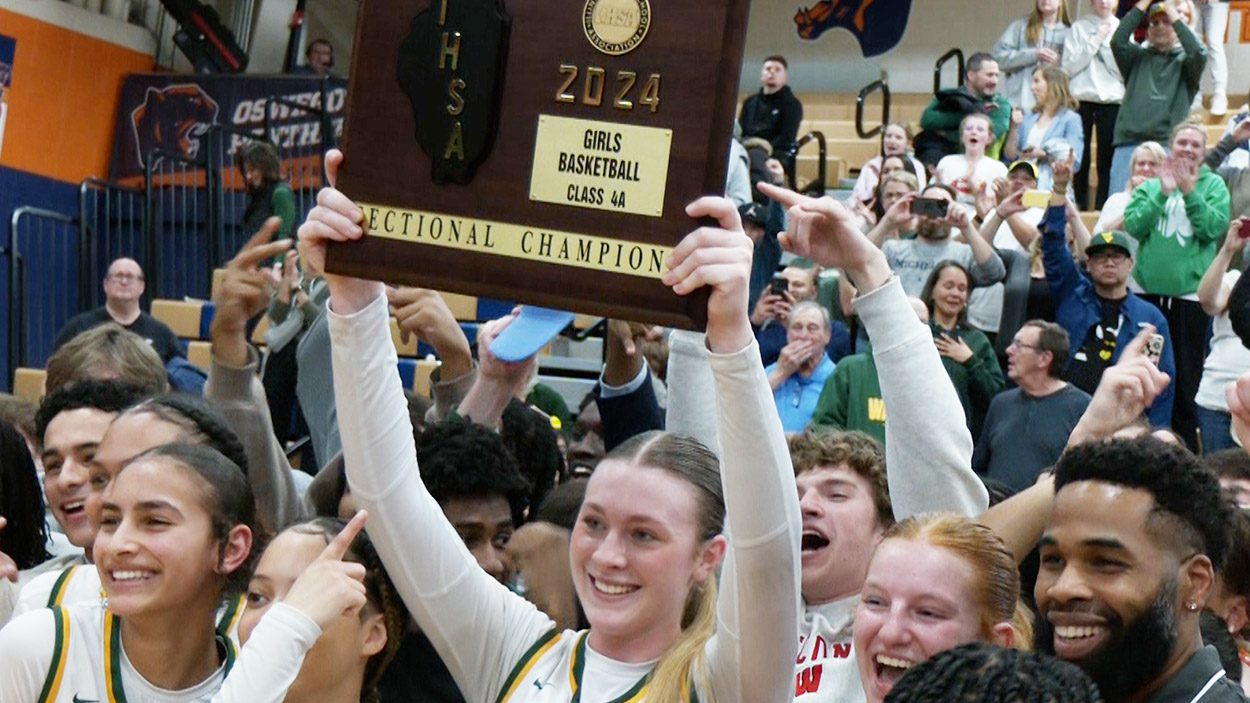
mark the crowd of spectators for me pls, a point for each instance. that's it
(937, 442)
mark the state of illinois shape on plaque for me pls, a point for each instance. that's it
(538, 151)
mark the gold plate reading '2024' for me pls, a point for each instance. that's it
(616, 27)
(600, 165)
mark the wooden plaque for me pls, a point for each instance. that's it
(541, 151)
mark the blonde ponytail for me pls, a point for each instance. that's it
(683, 664)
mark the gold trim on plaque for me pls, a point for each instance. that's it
(517, 241)
(616, 27)
(601, 165)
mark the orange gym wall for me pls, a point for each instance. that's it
(62, 99)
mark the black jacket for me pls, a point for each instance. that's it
(773, 117)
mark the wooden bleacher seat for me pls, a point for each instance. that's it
(421, 377)
(1090, 218)
(200, 354)
(409, 349)
(258, 334)
(808, 164)
(29, 383)
(464, 307)
(180, 316)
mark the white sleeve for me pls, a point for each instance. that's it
(751, 656)
(34, 594)
(26, 649)
(270, 661)
(691, 401)
(8, 600)
(1079, 48)
(479, 627)
(928, 449)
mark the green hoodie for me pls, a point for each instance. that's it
(1179, 234)
(851, 399)
(1159, 86)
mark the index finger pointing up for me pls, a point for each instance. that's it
(338, 546)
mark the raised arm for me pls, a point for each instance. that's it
(1212, 292)
(928, 447)
(233, 387)
(625, 396)
(1234, 137)
(478, 627)
(1079, 48)
(497, 381)
(751, 656)
(1195, 51)
(987, 267)
(1126, 52)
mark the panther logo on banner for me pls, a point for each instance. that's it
(171, 121)
(878, 25)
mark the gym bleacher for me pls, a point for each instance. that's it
(564, 361)
(569, 366)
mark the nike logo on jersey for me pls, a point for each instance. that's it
(85, 700)
(538, 684)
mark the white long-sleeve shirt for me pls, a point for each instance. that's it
(929, 469)
(484, 633)
(928, 454)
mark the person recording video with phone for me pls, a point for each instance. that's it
(935, 216)
(771, 315)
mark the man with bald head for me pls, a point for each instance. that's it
(123, 288)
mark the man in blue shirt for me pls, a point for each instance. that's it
(802, 368)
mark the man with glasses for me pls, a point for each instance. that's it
(1099, 312)
(1028, 426)
(123, 287)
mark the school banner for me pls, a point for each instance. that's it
(174, 113)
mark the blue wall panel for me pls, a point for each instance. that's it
(50, 273)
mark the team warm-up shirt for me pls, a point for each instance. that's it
(80, 585)
(487, 635)
(74, 654)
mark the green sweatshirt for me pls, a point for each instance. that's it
(977, 381)
(851, 399)
(947, 123)
(1159, 87)
(1179, 234)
